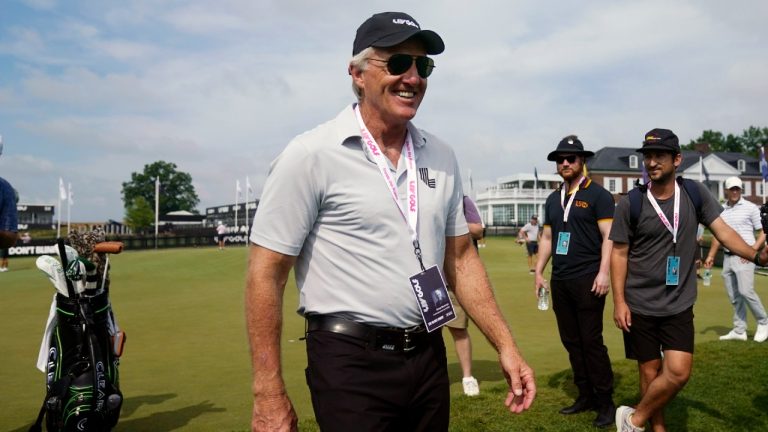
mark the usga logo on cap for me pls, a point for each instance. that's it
(405, 21)
(652, 138)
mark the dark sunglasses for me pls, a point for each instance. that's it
(398, 64)
(569, 158)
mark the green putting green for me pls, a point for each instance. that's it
(186, 364)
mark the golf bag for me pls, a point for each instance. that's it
(83, 354)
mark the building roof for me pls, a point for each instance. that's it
(616, 159)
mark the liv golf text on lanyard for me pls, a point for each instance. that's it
(429, 286)
(564, 237)
(673, 261)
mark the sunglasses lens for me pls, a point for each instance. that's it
(399, 64)
(569, 158)
(424, 66)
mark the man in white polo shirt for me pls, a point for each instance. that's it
(738, 273)
(367, 209)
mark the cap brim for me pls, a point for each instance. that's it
(652, 147)
(433, 43)
(553, 155)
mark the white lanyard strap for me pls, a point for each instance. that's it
(676, 215)
(411, 216)
(567, 208)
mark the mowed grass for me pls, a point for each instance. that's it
(186, 364)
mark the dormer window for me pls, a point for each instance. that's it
(741, 165)
(633, 161)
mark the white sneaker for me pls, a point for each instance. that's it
(471, 388)
(732, 335)
(762, 333)
(623, 414)
(3, 269)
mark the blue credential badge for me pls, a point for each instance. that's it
(673, 270)
(431, 293)
(563, 241)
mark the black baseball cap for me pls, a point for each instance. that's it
(660, 139)
(387, 29)
(570, 145)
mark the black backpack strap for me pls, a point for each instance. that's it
(692, 189)
(635, 205)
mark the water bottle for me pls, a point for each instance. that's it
(707, 277)
(544, 298)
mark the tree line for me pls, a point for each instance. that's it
(749, 142)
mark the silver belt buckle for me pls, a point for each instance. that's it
(407, 347)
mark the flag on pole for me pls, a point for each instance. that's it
(248, 189)
(763, 164)
(705, 172)
(238, 189)
(535, 175)
(70, 194)
(62, 190)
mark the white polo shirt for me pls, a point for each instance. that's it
(744, 218)
(325, 202)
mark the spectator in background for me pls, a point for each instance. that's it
(739, 273)
(26, 238)
(529, 234)
(8, 218)
(221, 230)
(458, 327)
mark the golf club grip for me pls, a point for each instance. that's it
(111, 247)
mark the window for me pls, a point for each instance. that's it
(503, 214)
(747, 188)
(759, 188)
(741, 165)
(612, 184)
(631, 183)
(633, 161)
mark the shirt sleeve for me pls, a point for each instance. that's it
(289, 203)
(620, 227)
(605, 205)
(710, 208)
(471, 212)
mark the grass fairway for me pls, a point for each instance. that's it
(186, 364)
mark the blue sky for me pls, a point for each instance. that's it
(91, 91)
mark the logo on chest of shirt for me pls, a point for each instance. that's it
(580, 203)
(424, 174)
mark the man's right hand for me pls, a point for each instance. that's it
(274, 413)
(539, 282)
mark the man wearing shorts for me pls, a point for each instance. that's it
(654, 279)
(458, 327)
(529, 233)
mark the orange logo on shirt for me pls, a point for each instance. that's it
(582, 204)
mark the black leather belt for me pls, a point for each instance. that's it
(383, 338)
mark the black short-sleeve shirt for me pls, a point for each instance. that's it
(591, 204)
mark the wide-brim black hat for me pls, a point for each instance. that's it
(570, 145)
(387, 29)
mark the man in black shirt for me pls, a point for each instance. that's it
(576, 226)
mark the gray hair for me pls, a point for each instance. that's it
(360, 61)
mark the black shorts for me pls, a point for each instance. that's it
(649, 335)
(4, 253)
(221, 237)
(533, 247)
